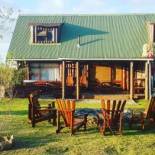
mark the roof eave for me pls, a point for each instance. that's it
(88, 59)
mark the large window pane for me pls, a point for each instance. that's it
(45, 71)
(35, 74)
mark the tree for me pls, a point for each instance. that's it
(8, 18)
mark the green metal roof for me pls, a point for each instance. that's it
(102, 37)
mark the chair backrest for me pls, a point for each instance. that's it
(151, 109)
(34, 105)
(66, 108)
(112, 109)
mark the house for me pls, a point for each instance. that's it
(87, 55)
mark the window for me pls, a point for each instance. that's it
(45, 71)
(45, 33)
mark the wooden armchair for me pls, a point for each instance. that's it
(65, 110)
(111, 116)
(147, 116)
(36, 113)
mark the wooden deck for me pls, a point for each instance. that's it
(106, 96)
(110, 96)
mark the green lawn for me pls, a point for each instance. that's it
(43, 140)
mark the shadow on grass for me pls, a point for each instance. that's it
(130, 132)
(28, 142)
(20, 113)
(126, 131)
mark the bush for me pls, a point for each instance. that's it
(10, 77)
(6, 75)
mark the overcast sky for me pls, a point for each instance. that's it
(71, 7)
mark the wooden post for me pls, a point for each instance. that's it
(150, 81)
(131, 80)
(63, 80)
(77, 81)
(146, 81)
(27, 71)
(123, 78)
(35, 34)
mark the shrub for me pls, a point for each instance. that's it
(10, 77)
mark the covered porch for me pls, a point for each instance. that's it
(100, 79)
(96, 79)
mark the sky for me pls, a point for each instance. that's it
(67, 7)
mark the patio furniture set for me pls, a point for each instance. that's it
(109, 117)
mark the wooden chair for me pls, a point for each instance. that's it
(65, 110)
(112, 116)
(36, 113)
(148, 115)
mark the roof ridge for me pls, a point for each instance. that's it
(104, 14)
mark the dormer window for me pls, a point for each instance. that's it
(45, 33)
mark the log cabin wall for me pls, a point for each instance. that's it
(109, 74)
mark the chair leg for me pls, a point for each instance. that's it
(142, 121)
(142, 124)
(58, 123)
(33, 124)
(49, 120)
(54, 121)
(102, 129)
(120, 127)
(72, 132)
(55, 118)
(85, 122)
(85, 126)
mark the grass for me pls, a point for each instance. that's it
(42, 139)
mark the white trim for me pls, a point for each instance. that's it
(89, 59)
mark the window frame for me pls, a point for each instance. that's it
(55, 32)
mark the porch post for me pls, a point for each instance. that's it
(77, 81)
(63, 80)
(150, 81)
(146, 80)
(127, 79)
(27, 71)
(124, 78)
(131, 80)
(35, 29)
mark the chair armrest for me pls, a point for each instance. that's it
(44, 107)
(44, 110)
(47, 110)
(138, 114)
